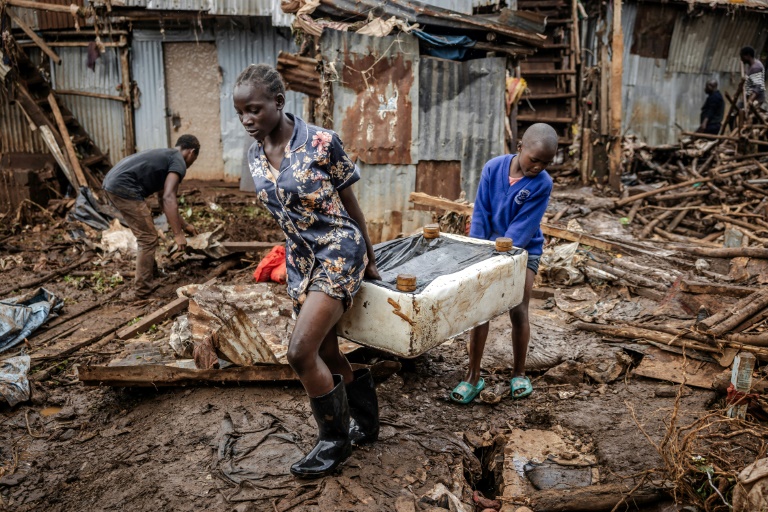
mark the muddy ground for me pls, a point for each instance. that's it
(88, 448)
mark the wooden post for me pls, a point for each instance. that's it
(73, 160)
(31, 33)
(617, 49)
(130, 142)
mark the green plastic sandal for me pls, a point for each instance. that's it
(465, 392)
(520, 387)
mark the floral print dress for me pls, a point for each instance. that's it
(325, 249)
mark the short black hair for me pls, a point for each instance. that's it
(188, 141)
(262, 74)
(748, 51)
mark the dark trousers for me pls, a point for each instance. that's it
(138, 217)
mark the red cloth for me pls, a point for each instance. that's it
(739, 397)
(272, 266)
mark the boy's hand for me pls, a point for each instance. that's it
(371, 272)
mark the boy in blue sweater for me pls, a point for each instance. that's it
(511, 200)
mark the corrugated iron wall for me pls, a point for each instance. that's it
(709, 43)
(462, 6)
(103, 119)
(375, 96)
(660, 93)
(240, 43)
(461, 114)
(384, 189)
(148, 72)
(15, 134)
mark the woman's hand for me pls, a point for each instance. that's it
(371, 272)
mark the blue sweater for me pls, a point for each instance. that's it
(514, 212)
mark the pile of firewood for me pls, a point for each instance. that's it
(696, 191)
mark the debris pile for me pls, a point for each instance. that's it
(699, 192)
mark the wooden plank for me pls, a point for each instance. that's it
(661, 365)
(38, 41)
(157, 375)
(30, 4)
(125, 68)
(728, 290)
(440, 203)
(172, 308)
(617, 53)
(73, 160)
(582, 238)
(69, 92)
(247, 246)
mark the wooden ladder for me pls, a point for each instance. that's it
(78, 155)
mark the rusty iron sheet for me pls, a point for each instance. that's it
(375, 93)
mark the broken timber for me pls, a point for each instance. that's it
(157, 375)
(172, 308)
(247, 246)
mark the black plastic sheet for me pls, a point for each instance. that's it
(21, 316)
(92, 212)
(428, 259)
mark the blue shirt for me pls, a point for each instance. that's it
(511, 211)
(324, 245)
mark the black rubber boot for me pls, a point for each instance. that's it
(333, 446)
(363, 408)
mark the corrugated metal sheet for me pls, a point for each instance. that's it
(383, 189)
(48, 20)
(148, 72)
(462, 6)
(175, 36)
(375, 96)
(461, 107)
(28, 16)
(655, 97)
(269, 8)
(711, 42)
(242, 7)
(239, 45)
(103, 119)
(180, 5)
(15, 134)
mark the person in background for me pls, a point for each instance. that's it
(712, 111)
(131, 181)
(754, 87)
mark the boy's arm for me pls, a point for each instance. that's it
(528, 219)
(481, 215)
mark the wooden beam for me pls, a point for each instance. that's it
(440, 203)
(716, 289)
(125, 71)
(73, 159)
(643, 195)
(617, 53)
(30, 4)
(247, 246)
(575, 236)
(722, 252)
(69, 92)
(38, 41)
(156, 375)
(47, 134)
(172, 308)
